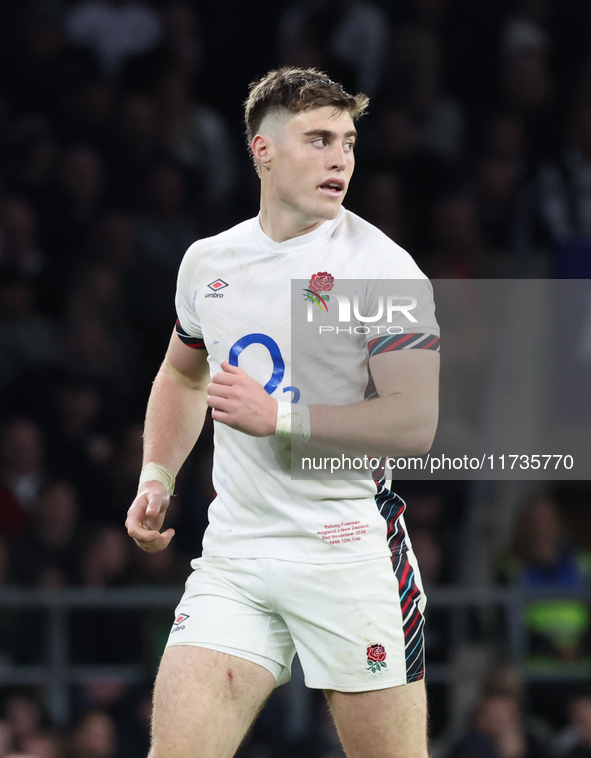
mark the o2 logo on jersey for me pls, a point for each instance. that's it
(276, 357)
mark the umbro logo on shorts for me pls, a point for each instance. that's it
(178, 622)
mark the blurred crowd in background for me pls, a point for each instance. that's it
(121, 143)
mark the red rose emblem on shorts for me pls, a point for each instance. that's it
(376, 658)
(321, 282)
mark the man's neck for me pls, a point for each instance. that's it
(281, 223)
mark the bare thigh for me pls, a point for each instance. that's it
(205, 702)
(390, 723)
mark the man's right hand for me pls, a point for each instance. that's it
(146, 516)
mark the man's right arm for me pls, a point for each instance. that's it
(174, 419)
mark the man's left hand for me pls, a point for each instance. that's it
(239, 401)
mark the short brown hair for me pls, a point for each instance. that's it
(295, 90)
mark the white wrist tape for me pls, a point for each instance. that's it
(154, 472)
(293, 421)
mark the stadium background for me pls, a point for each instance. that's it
(120, 143)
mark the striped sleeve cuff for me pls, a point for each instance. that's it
(196, 343)
(390, 342)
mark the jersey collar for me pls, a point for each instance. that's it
(296, 243)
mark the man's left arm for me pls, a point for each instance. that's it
(401, 421)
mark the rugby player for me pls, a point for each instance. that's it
(321, 567)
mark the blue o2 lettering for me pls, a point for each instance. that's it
(296, 393)
(274, 351)
(277, 358)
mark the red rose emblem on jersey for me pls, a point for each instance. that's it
(321, 282)
(376, 658)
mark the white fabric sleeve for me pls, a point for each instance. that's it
(186, 292)
(408, 305)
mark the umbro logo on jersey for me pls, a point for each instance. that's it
(216, 285)
(178, 622)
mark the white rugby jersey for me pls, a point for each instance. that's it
(234, 299)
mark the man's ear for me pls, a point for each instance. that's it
(262, 150)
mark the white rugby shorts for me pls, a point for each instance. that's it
(355, 626)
